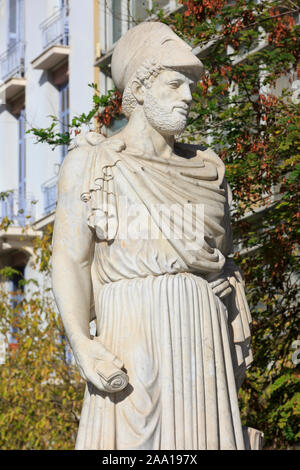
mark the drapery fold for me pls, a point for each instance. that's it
(176, 350)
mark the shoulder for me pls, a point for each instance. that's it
(206, 154)
(75, 163)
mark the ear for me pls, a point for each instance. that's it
(137, 91)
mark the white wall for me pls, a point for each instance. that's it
(41, 101)
(81, 59)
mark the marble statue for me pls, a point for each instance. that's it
(173, 326)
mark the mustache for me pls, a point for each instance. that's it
(183, 106)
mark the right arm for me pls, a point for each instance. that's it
(73, 248)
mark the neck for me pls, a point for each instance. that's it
(140, 135)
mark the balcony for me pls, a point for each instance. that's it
(12, 72)
(55, 30)
(50, 195)
(18, 209)
(55, 40)
(12, 62)
(17, 239)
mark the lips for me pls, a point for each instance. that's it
(182, 110)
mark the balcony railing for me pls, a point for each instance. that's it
(50, 195)
(55, 30)
(18, 209)
(12, 61)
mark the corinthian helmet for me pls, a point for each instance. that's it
(151, 42)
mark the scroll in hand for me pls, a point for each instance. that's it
(113, 378)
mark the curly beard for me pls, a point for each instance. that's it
(165, 119)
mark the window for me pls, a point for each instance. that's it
(64, 114)
(12, 62)
(117, 16)
(22, 169)
(12, 22)
(116, 12)
(15, 18)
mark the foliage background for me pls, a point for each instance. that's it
(254, 126)
(41, 392)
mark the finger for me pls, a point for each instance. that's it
(225, 292)
(217, 282)
(95, 379)
(106, 355)
(218, 289)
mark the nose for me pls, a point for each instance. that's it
(186, 94)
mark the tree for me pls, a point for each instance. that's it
(239, 109)
(41, 391)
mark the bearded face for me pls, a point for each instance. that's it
(167, 102)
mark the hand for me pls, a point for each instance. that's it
(221, 287)
(90, 355)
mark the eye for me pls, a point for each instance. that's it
(174, 84)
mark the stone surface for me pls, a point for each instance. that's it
(143, 244)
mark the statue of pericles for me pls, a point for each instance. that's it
(142, 243)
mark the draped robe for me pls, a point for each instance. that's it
(185, 350)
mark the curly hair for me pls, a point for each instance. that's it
(144, 75)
